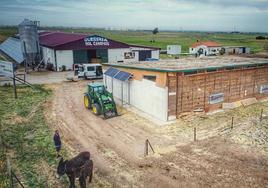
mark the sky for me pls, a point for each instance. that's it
(201, 15)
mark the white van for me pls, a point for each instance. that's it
(90, 71)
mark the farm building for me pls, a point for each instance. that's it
(165, 89)
(236, 50)
(173, 49)
(205, 48)
(66, 49)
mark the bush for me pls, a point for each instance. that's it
(260, 38)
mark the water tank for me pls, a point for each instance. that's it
(30, 42)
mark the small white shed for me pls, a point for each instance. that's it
(173, 49)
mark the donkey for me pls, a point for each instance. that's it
(86, 171)
(75, 168)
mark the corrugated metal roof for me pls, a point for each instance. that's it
(12, 48)
(54, 39)
(75, 41)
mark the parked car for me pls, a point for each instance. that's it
(90, 71)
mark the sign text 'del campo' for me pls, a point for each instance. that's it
(96, 41)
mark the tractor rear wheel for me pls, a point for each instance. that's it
(96, 109)
(87, 102)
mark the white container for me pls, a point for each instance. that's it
(173, 49)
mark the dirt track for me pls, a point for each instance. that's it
(117, 147)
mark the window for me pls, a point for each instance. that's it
(129, 55)
(90, 68)
(81, 68)
(149, 77)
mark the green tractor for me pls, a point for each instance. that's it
(100, 101)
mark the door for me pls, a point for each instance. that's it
(99, 71)
(90, 71)
(144, 54)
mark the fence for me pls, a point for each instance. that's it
(226, 128)
(230, 126)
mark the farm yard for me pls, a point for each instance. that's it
(220, 157)
(227, 148)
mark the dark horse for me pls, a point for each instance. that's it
(78, 167)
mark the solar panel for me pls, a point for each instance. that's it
(111, 72)
(12, 48)
(123, 76)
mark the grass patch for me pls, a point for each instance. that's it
(27, 137)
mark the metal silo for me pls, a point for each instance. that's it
(30, 42)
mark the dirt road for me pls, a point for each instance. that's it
(117, 147)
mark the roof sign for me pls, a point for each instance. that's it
(96, 41)
(117, 74)
(6, 69)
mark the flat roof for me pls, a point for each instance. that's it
(192, 64)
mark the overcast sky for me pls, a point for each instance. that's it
(211, 15)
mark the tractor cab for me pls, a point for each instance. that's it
(99, 100)
(96, 87)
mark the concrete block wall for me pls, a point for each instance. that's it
(144, 95)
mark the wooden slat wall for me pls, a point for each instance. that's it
(193, 91)
(172, 94)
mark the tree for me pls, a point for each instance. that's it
(155, 31)
(260, 38)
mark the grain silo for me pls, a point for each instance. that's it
(30, 42)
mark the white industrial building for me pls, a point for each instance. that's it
(236, 50)
(173, 49)
(166, 89)
(205, 48)
(66, 49)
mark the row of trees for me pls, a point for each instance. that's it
(261, 38)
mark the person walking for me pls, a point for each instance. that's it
(57, 142)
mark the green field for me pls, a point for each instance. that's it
(162, 38)
(26, 139)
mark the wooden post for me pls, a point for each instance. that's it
(10, 173)
(15, 87)
(146, 148)
(195, 134)
(261, 115)
(150, 145)
(232, 125)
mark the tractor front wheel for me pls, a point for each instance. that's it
(87, 102)
(96, 109)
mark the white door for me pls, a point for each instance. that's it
(90, 71)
